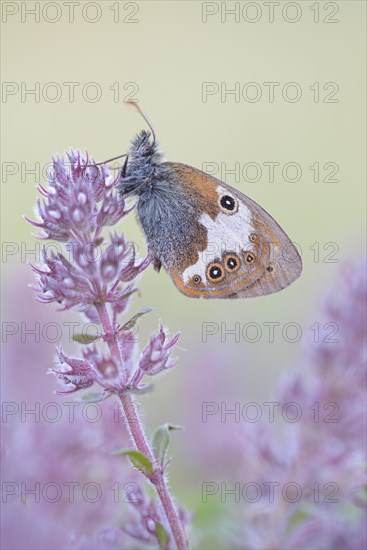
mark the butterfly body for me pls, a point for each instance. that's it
(212, 240)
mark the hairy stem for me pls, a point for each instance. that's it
(141, 443)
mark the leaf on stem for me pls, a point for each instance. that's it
(85, 338)
(137, 459)
(162, 536)
(132, 322)
(160, 441)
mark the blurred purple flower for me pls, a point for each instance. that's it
(106, 538)
(324, 453)
(149, 525)
(56, 443)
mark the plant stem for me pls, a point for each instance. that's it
(138, 436)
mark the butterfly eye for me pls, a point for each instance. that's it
(270, 268)
(228, 204)
(232, 262)
(215, 272)
(249, 258)
(253, 237)
(196, 279)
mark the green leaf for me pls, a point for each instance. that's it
(137, 459)
(85, 338)
(132, 322)
(160, 441)
(94, 396)
(162, 535)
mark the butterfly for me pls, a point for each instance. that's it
(212, 240)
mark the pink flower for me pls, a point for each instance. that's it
(71, 206)
(79, 201)
(155, 358)
(97, 279)
(78, 373)
(156, 355)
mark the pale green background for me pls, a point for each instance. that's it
(169, 53)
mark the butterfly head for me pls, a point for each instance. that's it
(141, 166)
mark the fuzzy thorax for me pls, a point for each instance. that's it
(142, 165)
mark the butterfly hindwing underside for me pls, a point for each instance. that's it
(239, 250)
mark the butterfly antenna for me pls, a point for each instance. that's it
(125, 154)
(134, 104)
(106, 161)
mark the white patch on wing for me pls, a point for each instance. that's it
(228, 232)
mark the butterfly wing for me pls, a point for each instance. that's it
(236, 249)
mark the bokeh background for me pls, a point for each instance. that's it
(164, 54)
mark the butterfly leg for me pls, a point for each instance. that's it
(157, 264)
